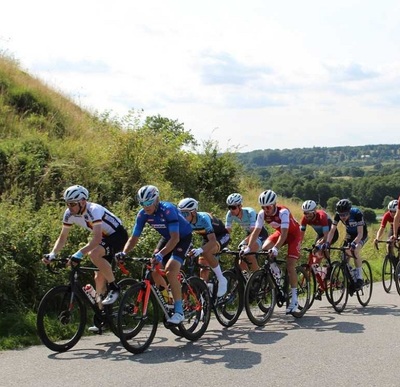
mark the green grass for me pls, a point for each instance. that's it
(18, 330)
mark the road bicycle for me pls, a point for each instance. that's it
(227, 308)
(318, 273)
(343, 281)
(389, 265)
(63, 311)
(265, 289)
(139, 310)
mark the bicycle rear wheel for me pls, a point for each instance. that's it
(365, 293)
(61, 319)
(137, 319)
(196, 308)
(112, 310)
(387, 273)
(228, 309)
(303, 292)
(259, 297)
(339, 288)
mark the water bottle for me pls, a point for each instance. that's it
(321, 272)
(90, 292)
(276, 272)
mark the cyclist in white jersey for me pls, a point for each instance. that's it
(109, 237)
(246, 217)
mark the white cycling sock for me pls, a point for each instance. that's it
(218, 272)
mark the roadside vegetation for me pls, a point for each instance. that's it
(49, 143)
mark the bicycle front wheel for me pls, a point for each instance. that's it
(339, 288)
(228, 309)
(61, 318)
(328, 282)
(260, 297)
(112, 310)
(137, 319)
(196, 308)
(313, 283)
(387, 273)
(365, 293)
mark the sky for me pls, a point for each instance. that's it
(254, 74)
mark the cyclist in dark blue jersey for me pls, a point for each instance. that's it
(215, 238)
(172, 248)
(356, 233)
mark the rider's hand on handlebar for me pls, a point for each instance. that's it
(244, 250)
(120, 257)
(76, 258)
(273, 252)
(353, 246)
(196, 252)
(157, 258)
(47, 258)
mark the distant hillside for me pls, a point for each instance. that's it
(338, 156)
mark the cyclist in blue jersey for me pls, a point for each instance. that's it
(246, 217)
(215, 238)
(175, 242)
(356, 233)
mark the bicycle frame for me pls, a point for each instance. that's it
(343, 284)
(77, 289)
(138, 314)
(264, 290)
(148, 286)
(62, 312)
(318, 274)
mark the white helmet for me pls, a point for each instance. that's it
(148, 192)
(188, 204)
(267, 198)
(75, 193)
(309, 205)
(234, 199)
(392, 206)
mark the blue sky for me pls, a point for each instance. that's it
(252, 74)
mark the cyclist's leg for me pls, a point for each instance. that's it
(294, 243)
(358, 262)
(252, 264)
(103, 254)
(105, 271)
(172, 269)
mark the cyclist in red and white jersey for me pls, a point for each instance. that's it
(287, 233)
(388, 217)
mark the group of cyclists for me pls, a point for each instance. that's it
(177, 223)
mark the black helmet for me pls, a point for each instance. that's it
(343, 205)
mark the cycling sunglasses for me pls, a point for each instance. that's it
(232, 207)
(71, 204)
(147, 203)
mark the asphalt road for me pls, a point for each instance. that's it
(357, 348)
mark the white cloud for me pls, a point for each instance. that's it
(265, 74)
